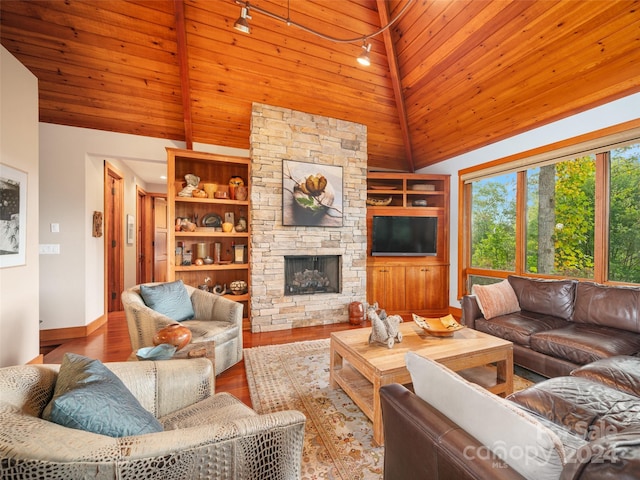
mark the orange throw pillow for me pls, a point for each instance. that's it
(496, 299)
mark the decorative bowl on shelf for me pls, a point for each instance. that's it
(210, 189)
(238, 287)
(211, 220)
(419, 203)
(438, 327)
(378, 202)
(164, 351)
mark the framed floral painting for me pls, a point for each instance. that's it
(13, 216)
(311, 194)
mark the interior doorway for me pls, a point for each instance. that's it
(152, 237)
(114, 238)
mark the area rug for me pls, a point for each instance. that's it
(338, 440)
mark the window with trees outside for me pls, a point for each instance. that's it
(555, 214)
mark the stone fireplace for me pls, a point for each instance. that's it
(279, 134)
(311, 274)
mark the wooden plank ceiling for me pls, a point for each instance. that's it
(448, 77)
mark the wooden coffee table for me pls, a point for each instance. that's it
(361, 369)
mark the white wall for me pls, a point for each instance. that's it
(71, 161)
(19, 337)
(613, 113)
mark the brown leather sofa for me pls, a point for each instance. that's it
(563, 324)
(595, 412)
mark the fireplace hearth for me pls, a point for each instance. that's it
(311, 274)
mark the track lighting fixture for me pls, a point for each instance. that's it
(241, 23)
(364, 57)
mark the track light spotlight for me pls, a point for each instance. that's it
(363, 58)
(241, 23)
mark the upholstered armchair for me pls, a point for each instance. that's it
(204, 435)
(217, 319)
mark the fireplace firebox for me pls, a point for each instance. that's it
(310, 274)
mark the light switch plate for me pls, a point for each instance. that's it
(50, 249)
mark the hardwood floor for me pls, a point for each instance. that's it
(110, 343)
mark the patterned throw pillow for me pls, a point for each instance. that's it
(88, 396)
(496, 299)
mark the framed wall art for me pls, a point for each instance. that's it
(13, 216)
(311, 194)
(96, 231)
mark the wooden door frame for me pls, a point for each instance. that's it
(142, 237)
(111, 171)
(154, 226)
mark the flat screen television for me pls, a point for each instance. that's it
(396, 236)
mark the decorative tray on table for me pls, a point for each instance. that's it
(438, 327)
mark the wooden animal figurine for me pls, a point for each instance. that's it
(384, 329)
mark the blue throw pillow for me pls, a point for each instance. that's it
(88, 396)
(170, 299)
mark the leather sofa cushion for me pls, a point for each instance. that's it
(548, 297)
(617, 307)
(584, 407)
(518, 327)
(581, 343)
(614, 457)
(621, 373)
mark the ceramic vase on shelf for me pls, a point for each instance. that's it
(175, 334)
(234, 183)
(201, 250)
(241, 192)
(216, 252)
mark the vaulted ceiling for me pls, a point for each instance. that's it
(448, 77)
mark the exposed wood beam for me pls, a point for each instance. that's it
(185, 87)
(383, 11)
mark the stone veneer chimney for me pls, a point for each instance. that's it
(279, 134)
